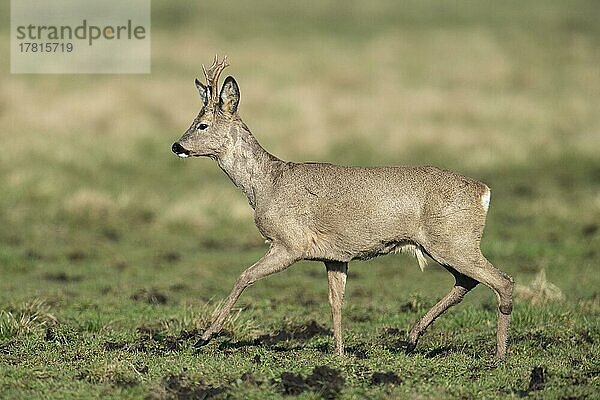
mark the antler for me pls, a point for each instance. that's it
(212, 76)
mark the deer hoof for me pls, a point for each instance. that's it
(201, 342)
(410, 347)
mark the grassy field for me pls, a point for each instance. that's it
(114, 254)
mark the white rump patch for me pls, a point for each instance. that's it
(485, 199)
(182, 155)
(416, 251)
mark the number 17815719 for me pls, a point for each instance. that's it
(45, 47)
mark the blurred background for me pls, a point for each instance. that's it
(506, 92)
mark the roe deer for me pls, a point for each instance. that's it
(336, 214)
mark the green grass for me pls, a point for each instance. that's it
(114, 254)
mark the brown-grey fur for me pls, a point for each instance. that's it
(336, 214)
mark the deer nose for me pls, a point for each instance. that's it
(180, 150)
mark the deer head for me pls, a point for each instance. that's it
(210, 131)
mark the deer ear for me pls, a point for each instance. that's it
(204, 91)
(230, 96)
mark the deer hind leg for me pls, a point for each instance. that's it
(277, 259)
(336, 278)
(475, 266)
(502, 284)
(462, 285)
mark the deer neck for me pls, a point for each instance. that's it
(249, 166)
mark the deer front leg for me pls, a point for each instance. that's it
(336, 278)
(277, 259)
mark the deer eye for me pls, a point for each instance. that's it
(202, 126)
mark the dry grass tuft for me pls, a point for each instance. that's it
(30, 316)
(539, 290)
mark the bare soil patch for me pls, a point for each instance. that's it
(324, 381)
